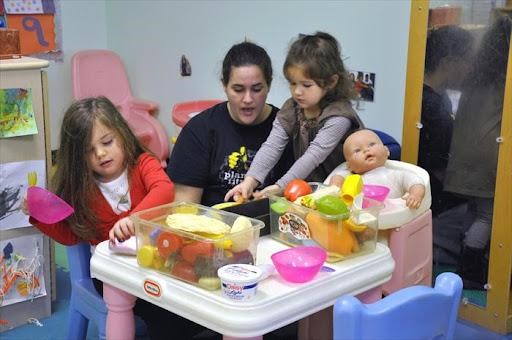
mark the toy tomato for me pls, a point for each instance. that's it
(296, 188)
(191, 251)
(185, 271)
(168, 243)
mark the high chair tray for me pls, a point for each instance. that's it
(277, 302)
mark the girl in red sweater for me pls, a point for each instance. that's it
(105, 174)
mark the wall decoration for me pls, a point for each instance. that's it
(38, 22)
(15, 178)
(16, 113)
(21, 269)
(364, 84)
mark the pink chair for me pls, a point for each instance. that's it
(182, 112)
(101, 72)
(411, 248)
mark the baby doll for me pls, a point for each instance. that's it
(366, 155)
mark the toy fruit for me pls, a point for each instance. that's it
(297, 188)
(352, 186)
(279, 206)
(331, 205)
(185, 271)
(242, 234)
(168, 243)
(146, 255)
(331, 234)
(191, 251)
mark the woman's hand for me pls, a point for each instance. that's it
(122, 230)
(242, 191)
(273, 189)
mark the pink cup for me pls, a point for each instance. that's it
(375, 192)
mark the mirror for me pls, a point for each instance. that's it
(462, 103)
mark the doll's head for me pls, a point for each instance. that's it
(364, 151)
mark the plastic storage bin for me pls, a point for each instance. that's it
(194, 257)
(343, 236)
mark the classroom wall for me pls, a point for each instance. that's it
(152, 35)
(84, 26)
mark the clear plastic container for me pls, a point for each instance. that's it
(344, 235)
(195, 256)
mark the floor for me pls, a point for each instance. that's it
(53, 328)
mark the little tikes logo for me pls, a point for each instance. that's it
(152, 288)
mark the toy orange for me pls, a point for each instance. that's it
(331, 235)
(168, 243)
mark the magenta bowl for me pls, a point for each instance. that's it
(45, 206)
(299, 264)
(375, 192)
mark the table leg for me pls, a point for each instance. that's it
(319, 326)
(120, 319)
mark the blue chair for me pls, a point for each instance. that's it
(417, 312)
(85, 304)
(394, 147)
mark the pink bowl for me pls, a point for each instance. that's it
(299, 264)
(375, 192)
(45, 206)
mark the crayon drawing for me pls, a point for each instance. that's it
(15, 177)
(16, 113)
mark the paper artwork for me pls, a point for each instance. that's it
(21, 269)
(16, 113)
(14, 181)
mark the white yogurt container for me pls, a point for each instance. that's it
(239, 281)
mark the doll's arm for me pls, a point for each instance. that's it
(337, 180)
(415, 196)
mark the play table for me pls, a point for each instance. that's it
(276, 304)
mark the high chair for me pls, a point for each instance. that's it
(182, 112)
(417, 312)
(101, 72)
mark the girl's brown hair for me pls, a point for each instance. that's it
(73, 179)
(319, 57)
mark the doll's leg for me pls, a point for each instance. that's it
(120, 319)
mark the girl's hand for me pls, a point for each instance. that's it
(122, 230)
(23, 205)
(273, 189)
(242, 191)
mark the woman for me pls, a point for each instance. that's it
(215, 149)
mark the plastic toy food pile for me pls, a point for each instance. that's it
(191, 242)
(328, 217)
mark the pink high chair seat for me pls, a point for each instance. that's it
(102, 73)
(182, 112)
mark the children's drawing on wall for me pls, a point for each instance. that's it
(15, 177)
(364, 84)
(16, 113)
(21, 269)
